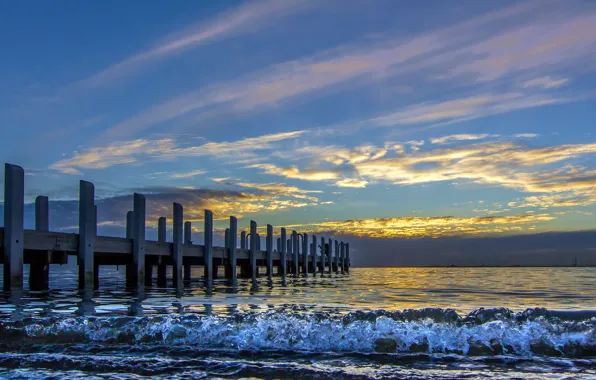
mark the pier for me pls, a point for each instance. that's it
(295, 254)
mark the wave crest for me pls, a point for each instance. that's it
(482, 332)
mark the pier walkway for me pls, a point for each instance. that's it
(294, 254)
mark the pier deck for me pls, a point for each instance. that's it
(41, 247)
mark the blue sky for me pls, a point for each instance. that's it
(371, 119)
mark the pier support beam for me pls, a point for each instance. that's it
(269, 247)
(305, 254)
(347, 259)
(278, 244)
(342, 258)
(208, 258)
(138, 240)
(243, 240)
(330, 256)
(282, 265)
(313, 252)
(336, 256)
(232, 262)
(296, 253)
(187, 241)
(87, 230)
(322, 255)
(253, 252)
(130, 267)
(14, 233)
(39, 268)
(161, 237)
(177, 245)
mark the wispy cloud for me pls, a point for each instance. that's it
(545, 82)
(351, 182)
(131, 151)
(187, 174)
(460, 137)
(246, 18)
(475, 51)
(294, 172)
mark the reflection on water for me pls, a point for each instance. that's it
(314, 327)
(463, 289)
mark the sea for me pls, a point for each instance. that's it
(374, 323)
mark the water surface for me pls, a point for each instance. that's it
(375, 322)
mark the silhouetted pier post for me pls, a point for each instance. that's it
(14, 232)
(322, 255)
(294, 253)
(177, 245)
(269, 248)
(313, 251)
(330, 256)
(208, 256)
(39, 267)
(253, 252)
(161, 267)
(347, 260)
(243, 240)
(86, 234)
(278, 244)
(232, 276)
(342, 259)
(187, 268)
(138, 246)
(305, 254)
(283, 266)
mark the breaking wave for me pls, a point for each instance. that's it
(428, 331)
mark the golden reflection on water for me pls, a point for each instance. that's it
(463, 289)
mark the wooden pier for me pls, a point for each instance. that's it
(41, 247)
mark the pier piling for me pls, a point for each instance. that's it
(87, 230)
(161, 266)
(39, 268)
(177, 245)
(208, 256)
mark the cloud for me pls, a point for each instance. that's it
(418, 227)
(463, 109)
(273, 188)
(131, 151)
(460, 137)
(187, 174)
(351, 182)
(526, 135)
(113, 154)
(246, 18)
(545, 82)
(475, 51)
(294, 172)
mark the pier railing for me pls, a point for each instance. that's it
(41, 247)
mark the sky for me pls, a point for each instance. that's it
(364, 120)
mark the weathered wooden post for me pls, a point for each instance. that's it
(305, 254)
(313, 251)
(243, 240)
(296, 264)
(208, 258)
(258, 242)
(232, 262)
(39, 267)
(161, 237)
(336, 256)
(187, 241)
(269, 247)
(347, 261)
(322, 255)
(130, 267)
(330, 256)
(138, 242)
(283, 265)
(177, 245)
(278, 244)
(253, 251)
(14, 232)
(342, 258)
(87, 230)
